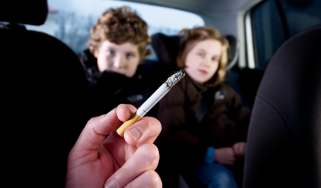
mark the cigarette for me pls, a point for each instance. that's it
(152, 101)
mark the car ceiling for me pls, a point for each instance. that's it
(218, 13)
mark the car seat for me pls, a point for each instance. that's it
(284, 139)
(43, 98)
(166, 48)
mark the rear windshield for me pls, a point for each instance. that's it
(71, 20)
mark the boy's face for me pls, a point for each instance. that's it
(202, 61)
(120, 58)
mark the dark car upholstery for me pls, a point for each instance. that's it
(284, 140)
(25, 12)
(165, 47)
(43, 94)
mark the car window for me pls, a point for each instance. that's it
(271, 22)
(302, 14)
(268, 32)
(70, 21)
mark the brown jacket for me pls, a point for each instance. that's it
(195, 116)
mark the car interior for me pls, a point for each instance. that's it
(45, 99)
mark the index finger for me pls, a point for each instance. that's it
(96, 130)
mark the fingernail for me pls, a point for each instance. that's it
(135, 133)
(111, 184)
(132, 109)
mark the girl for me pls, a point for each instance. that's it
(204, 124)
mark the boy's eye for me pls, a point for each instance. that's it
(130, 55)
(111, 52)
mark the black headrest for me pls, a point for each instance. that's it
(43, 98)
(32, 12)
(166, 47)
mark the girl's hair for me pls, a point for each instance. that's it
(120, 25)
(190, 37)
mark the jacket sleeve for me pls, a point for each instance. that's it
(227, 120)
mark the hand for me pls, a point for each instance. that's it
(225, 156)
(239, 149)
(128, 161)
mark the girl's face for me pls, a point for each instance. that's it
(123, 58)
(203, 60)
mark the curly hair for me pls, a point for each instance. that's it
(190, 37)
(120, 25)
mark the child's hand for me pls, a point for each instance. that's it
(239, 149)
(225, 156)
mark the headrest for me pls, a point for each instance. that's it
(32, 12)
(233, 51)
(165, 47)
(45, 84)
(288, 106)
(296, 66)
